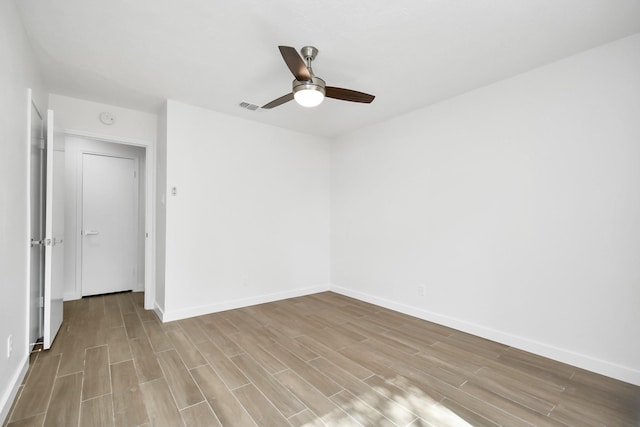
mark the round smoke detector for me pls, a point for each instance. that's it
(107, 118)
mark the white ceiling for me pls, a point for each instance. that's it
(215, 53)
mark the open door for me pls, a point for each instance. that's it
(54, 234)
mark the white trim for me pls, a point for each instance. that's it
(150, 204)
(77, 285)
(622, 373)
(169, 316)
(108, 138)
(12, 391)
(159, 311)
(27, 290)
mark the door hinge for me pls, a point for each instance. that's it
(41, 302)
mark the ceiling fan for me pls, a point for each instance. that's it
(307, 89)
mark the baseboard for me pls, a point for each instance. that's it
(619, 372)
(159, 312)
(168, 316)
(12, 391)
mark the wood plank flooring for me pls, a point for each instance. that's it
(318, 360)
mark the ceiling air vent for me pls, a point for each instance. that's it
(248, 106)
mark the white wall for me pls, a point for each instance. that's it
(517, 206)
(81, 115)
(250, 220)
(74, 147)
(18, 72)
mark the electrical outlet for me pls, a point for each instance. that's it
(422, 289)
(9, 346)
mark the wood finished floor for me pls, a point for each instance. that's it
(317, 360)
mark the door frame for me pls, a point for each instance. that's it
(31, 340)
(80, 212)
(149, 206)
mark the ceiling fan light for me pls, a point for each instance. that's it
(309, 93)
(310, 96)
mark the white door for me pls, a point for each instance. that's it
(109, 224)
(54, 234)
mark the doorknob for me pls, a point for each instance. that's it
(91, 232)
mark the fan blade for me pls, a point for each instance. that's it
(295, 63)
(285, 98)
(348, 95)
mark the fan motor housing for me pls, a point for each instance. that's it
(316, 83)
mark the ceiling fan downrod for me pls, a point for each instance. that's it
(309, 53)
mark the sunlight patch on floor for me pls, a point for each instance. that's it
(386, 407)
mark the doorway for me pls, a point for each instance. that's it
(105, 181)
(109, 224)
